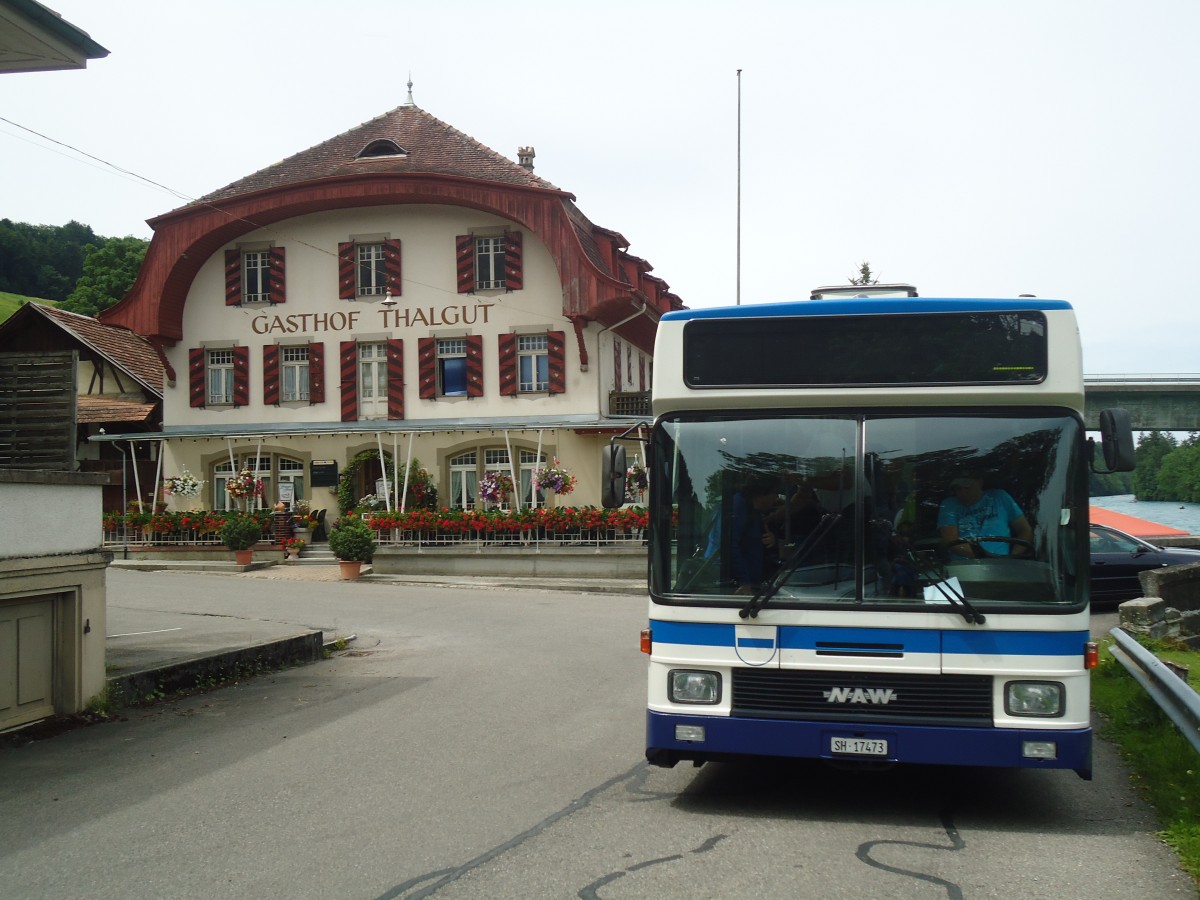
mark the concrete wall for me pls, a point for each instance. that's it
(51, 559)
(566, 562)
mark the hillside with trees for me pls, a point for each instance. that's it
(1167, 468)
(69, 263)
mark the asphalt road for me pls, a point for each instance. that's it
(488, 744)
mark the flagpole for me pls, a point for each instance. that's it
(739, 187)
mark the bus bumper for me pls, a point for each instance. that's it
(725, 738)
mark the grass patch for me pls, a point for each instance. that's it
(10, 303)
(1163, 763)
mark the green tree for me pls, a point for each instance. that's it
(865, 275)
(109, 271)
(1152, 449)
(42, 261)
(1179, 475)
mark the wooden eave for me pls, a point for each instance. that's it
(187, 238)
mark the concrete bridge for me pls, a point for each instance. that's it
(1162, 402)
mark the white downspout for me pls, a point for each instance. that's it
(600, 405)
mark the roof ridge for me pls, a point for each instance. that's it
(431, 145)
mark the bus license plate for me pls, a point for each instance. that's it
(859, 746)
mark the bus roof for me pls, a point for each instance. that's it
(852, 306)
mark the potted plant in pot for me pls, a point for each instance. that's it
(239, 534)
(293, 546)
(353, 542)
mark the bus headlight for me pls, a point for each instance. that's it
(689, 686)
(1033, 698)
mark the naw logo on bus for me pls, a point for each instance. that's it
(875, 696)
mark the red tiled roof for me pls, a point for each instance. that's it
(91, 409)
(1130, 524)
(130, 351)
(431, 147)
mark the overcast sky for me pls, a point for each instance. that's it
(969, 147)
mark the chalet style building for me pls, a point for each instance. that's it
(397, 293)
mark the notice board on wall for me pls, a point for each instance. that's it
(324, 473)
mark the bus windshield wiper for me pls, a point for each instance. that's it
(953, 597)
(801, 553)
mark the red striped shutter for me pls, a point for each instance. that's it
(197, 372)
(346, 278)
(464, 256)
(395, 379)
(241, 376)
(474, 365)
(556, 350)
(508, 365)
(391, 266)
(316, 372)
(616, 365)
(271, 374)
(514, 279)
(233, 277)
(427, 368)
(276, 283)
(349, 371)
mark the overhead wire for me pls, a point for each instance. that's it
(128, 173)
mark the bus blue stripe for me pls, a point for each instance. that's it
(973, 643)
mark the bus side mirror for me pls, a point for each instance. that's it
(612, 476)
(1116, 440)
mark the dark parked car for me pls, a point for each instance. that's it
(1117, 558)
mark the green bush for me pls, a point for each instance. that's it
(241, 532)
(352, 539)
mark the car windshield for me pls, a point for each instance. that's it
(1105, 540)
(909, 511)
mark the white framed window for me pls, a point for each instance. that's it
(256, 270)
(372, 380)
(372, 275)
(530, 461)
(466, 471)
(452, 367)
(219, 377)
(489, 263)
(533, 363)
(464, 480)
(222, 472)
(294, 372)
(291, 471)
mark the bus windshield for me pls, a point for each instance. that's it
(892, 509)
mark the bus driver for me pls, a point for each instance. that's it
(972, 512)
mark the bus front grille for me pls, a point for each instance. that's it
(954, 700)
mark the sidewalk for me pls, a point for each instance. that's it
(149, 653)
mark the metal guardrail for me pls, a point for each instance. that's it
(1139, 379)
(1173, 695)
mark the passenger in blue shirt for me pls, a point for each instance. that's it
(972, 512)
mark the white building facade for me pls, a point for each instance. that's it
(397, 293)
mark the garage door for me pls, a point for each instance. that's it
(26, 661)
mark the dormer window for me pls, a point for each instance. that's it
(381, 149)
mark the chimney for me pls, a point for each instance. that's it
(525, 157)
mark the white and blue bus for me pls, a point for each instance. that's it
(869, 533)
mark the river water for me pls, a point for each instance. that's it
(1165, 512)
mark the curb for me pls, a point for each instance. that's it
(182, 676)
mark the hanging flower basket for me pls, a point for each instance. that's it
(244, 484)
(185, 485)
(637, 480)
(555, 478)
(495, 487)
